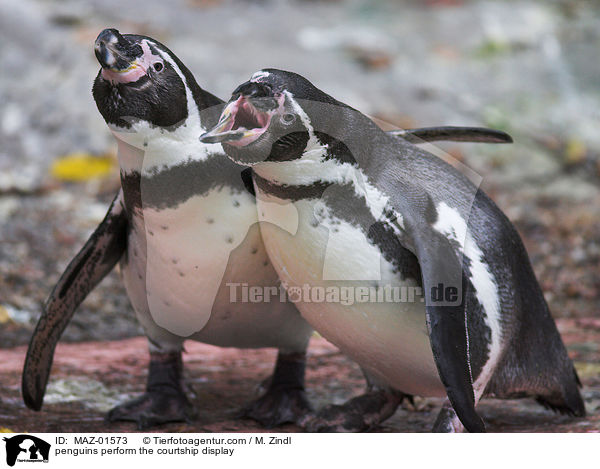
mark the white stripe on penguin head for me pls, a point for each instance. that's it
(193, 111)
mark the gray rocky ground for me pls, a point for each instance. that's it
(527, 67)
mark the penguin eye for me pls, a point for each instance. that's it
(157, 66)
(288, 118)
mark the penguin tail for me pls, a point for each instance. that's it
(569, 403)
(536, 363)
(550, 378)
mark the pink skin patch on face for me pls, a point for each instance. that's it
(137, 69)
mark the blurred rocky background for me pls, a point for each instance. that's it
(530, 68)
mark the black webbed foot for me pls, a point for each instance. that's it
(285, 399)
(358, 414)
(278, 406)
(153, 408)
(164, 400)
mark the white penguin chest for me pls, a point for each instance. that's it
(186, 254)
(182, 259)
(388, 338)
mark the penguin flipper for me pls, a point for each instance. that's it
(96, 259)
(442, 272)
(452, 134)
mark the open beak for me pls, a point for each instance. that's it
(223, 132)
(241, 122)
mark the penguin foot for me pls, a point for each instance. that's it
(285, 400)
(277, 406)
(153, 408)
(164, 400)
(361, 413)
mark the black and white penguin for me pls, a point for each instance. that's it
(375, 213)
(184, 229)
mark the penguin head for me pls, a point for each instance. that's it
(269, 118)
(140, 80)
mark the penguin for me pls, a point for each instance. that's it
(372, 214)
(183, 228)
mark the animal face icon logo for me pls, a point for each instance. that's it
(26, 448)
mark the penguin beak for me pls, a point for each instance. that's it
(114, 52)
(223, 132)
(241, 122)
(118, 56)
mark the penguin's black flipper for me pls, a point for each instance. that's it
(452, 134)
(445, 287)
(96, 259)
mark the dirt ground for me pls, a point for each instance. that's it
(88, 378)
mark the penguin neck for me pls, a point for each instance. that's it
(322, 181)
(306, 171)
(150, 149)
(307, 177)
(328, 157)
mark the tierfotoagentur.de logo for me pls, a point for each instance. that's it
(26, 448)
